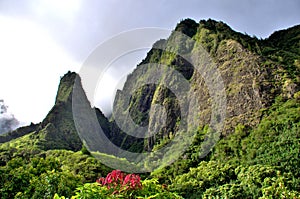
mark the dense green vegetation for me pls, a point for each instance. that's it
(250, 163)
(43, 174)
(256, 157)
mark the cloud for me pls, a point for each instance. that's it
(31, 64)
(8, 122)
(114, 78)
(63, 10)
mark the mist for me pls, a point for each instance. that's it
(8, 122)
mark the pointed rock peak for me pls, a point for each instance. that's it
(65, 88)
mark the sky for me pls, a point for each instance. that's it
(41, 40)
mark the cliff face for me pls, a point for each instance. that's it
(252, 78)
(58, 130)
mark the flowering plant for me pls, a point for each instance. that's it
(118, 182)
(118, 185)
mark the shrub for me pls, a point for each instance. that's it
(118, 185)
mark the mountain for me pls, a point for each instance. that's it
(252, 76)
(57, 130)
(220, 108)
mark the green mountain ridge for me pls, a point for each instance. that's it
(252, 80)
(256, 157)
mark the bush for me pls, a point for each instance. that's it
(118, 185)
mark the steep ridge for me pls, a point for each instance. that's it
(251, 78)
(57, 130)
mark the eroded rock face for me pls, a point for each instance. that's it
(251, 81)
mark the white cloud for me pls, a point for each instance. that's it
(63, 10)
(106, 89)
(31, 64)
(114, 77)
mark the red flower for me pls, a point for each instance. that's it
(101, 181)
(116, 180)
(132, 181)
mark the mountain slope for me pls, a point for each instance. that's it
(251, 78)
(57, 130)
